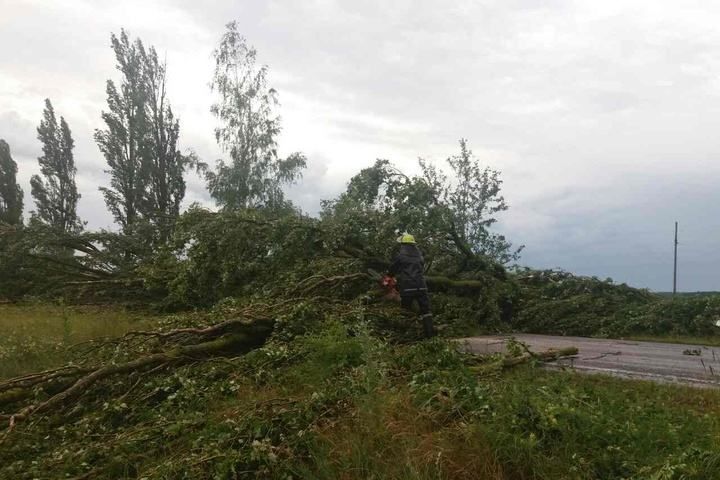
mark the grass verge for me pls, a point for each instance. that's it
(336, 402)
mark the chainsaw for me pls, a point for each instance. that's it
(388, 284)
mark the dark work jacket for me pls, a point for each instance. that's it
(408, 266)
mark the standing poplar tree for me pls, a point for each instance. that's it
(55, 193)
(163, 162)
(248, 130)
(124, 141)
(140, 141)
(11, 195)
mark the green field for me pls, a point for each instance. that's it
(36, 337)
(339, 403)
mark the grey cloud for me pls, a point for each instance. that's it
(615, 101)
(317, 185)
(632, 241)
(19, 133)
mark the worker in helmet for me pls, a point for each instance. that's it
(408, 267)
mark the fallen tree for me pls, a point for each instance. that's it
(66, 384)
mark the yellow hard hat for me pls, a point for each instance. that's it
(406, 238)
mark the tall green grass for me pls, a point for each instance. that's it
(444, 423)
(36, 337)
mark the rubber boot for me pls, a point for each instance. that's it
(427, 323)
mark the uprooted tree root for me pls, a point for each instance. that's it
(66, 384)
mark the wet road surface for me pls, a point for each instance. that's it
(695, 365)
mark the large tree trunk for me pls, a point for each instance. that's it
(187, 345)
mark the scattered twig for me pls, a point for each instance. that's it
(508, 362)
(603, 355)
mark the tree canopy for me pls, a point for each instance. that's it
(55, 192)
(247, 131)
(140, 141)
(452, 213)
(11, 195)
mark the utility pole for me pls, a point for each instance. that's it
(675, 262)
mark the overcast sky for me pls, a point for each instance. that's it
(602, 115)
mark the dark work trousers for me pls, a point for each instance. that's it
(422, 300)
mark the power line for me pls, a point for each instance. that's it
(675, 261)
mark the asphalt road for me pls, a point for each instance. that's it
(695, 365)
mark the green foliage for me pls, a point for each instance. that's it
(564, 426)
(332, 400)
(451, 218)
(164, 164)
(23, 270)
(473, 199)
(124, 142)
(140, 142)
(248, 131)
(11, 195)
(55, 193)
(41, 261)
(560, 303)
(218, 255)
(13, 283)
(694, 316)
